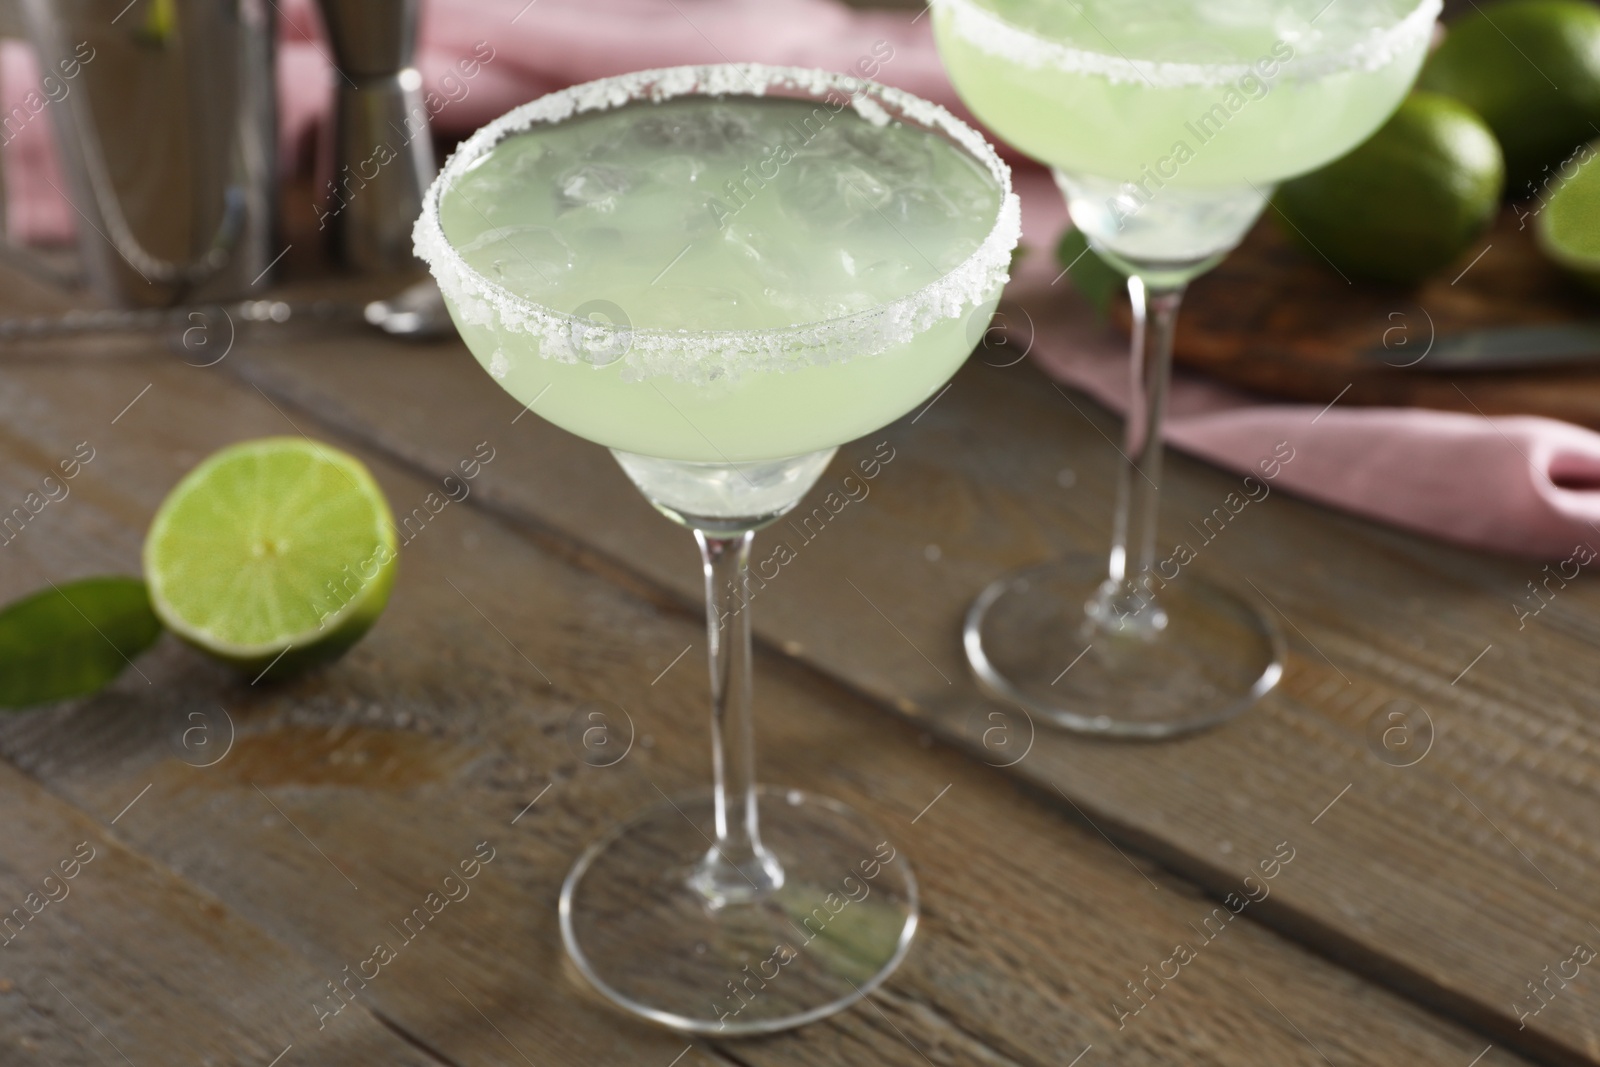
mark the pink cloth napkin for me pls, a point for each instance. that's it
(1523, 485)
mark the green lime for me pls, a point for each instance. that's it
(272, 554)
(1409, 200)
(1567, 226)
(1531, 68)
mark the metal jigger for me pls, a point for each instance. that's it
(382, 149)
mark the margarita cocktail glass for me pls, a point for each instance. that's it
(722, 273)
(1166, 124)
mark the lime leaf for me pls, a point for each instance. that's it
(72, 640)
(1018, 254)
(1092, 276)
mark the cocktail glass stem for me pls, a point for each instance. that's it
(1120, 605)
(1141, 644)
(737, 867)
(682, 913)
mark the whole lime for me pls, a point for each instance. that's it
(1531, 68)
(1567, 225)
(272, 555)
(1407, 201)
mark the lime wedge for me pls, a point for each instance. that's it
(274, 555)
(1568, 226)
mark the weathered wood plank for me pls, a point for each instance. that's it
(107, 957)
(346, 796)
(1414, 868)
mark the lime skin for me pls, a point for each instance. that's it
(1406, 202)
(1531, 69)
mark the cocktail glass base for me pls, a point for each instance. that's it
(1032, 642)
(832, 932)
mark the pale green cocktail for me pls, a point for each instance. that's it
(1216, 92)
(745, 222)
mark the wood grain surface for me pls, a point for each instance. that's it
(320, 813)
(1454, 881)
(110, 955)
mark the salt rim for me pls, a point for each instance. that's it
(992, 34)
(719, 355)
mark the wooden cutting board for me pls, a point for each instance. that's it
(1279, 320)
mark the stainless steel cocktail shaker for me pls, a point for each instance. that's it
(166, 120)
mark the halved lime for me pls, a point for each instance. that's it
(1568, 226)
(273, 555)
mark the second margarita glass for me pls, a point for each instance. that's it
(1166, 124)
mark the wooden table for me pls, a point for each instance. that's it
(229, 886)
